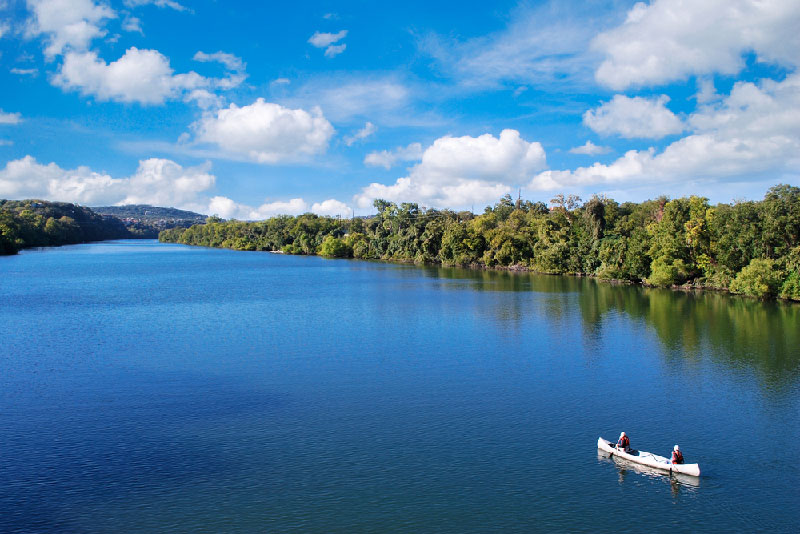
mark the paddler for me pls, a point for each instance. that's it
(623, 442)
(677, 456)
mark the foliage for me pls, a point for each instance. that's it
(37, 223)
(758, 279)
(660, 242)
(335, 247)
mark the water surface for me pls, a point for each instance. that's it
(153, 387)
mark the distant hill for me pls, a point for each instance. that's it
(148, 213)
(147, 221)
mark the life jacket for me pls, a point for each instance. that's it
(677, 457)
(624, 442)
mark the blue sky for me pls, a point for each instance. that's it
(250, 109)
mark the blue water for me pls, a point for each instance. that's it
(149, 387)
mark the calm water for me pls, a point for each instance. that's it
(149, 387)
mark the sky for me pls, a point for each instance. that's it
(252, 109)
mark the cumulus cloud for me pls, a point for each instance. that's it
(10, 118)
(670, 40)
(156, 181)
(68, 24)
(590, 149)
(163, 183)
(230, 209)
(389, 158)
(459, 171)
(142, 76)
(363, 133)
(753, 131)
(635, 117)
(331, 207)
(266, 132)
(706, 92)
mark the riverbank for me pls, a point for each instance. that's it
(748, 248)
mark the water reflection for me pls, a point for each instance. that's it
(676, 480)
(733, 331)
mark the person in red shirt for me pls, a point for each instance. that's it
(677, 456)
(623, 442)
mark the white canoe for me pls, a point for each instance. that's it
(649, 459)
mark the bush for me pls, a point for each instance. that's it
(334, 247)
(758, 279)
(666, 272)
(791, 287)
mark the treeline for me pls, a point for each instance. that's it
(748, 247)
(37, 223)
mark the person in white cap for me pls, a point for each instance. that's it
(677, 456)
(623, 442)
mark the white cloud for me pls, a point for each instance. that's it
(635, 117)
(459, 171)
(24, 72)
(158, 3)
(335, 50)
(230, 61)
(10, 118)
(280, 81)
(323, 40)
(389, 158)
(163, 182)
(204, 99)
(159, 182)
(142, 76)
(331, 207)
(132, 24)
(266, 132)
(590, 149)
(363, 133)
(706, 92)
(343, 100)
(68, 24)
(230, 209)
(6, 142)
(156, 181)
(753, 131)
(544, 45)
(233, 64)
(673, 39)
(328, 42)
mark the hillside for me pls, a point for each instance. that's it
(38, 223)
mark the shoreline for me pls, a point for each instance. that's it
(685, 288)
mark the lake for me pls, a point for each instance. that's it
(149, 387)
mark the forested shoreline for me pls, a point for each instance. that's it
(747, 247)
(39, 223)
